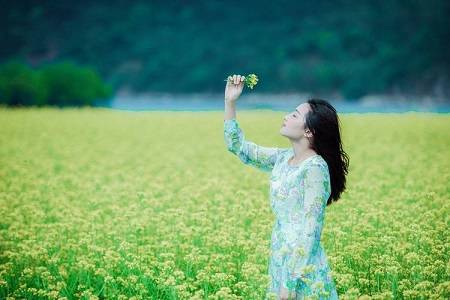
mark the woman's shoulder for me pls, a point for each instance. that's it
(284, 151)
(317, 162)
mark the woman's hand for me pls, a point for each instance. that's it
(234, 87)
(285, 295)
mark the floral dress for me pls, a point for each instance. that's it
(298, 197)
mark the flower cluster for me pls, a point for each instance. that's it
(250, 80)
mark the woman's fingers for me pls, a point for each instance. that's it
(236, 79)
(240, 79)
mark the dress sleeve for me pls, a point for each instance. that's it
(303, 240)
(262, 158)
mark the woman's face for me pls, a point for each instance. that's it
(293, 126)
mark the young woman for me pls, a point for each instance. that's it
(305, 178)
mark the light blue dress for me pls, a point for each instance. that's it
(298, 197)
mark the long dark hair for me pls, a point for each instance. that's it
(324, 124)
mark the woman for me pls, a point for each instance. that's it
(304, 180)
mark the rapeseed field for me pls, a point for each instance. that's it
(103, 204)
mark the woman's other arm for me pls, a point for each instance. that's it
(304, 238)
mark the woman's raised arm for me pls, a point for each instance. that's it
(262, 158)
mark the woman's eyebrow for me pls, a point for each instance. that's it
(297, 111)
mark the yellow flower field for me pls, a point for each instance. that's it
(102, 204)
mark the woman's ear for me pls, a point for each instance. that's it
(308, 133)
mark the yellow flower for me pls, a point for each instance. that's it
(318, 285)
(284, 250)
(251, 80)
(308, 269)
(301, 251)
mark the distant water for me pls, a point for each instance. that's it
(275, 102)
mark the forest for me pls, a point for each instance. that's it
(348, 48)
